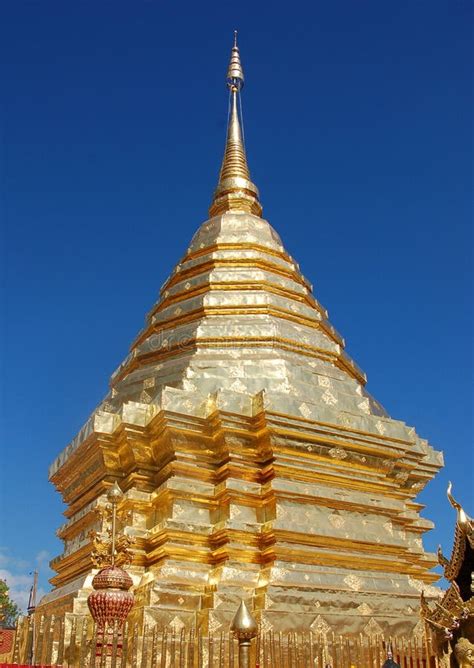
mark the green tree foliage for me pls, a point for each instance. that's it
(9, 611)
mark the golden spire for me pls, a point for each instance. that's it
(235, 190)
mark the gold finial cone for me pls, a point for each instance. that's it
(244, 625)
(235, 190)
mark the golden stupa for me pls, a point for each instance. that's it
(254, 463)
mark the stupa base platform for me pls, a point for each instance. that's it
(309, 521)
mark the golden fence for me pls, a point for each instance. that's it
(71, 643)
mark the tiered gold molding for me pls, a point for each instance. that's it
(307, 518)
(237, 281)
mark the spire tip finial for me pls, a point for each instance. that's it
(235, 73)
(235, 191)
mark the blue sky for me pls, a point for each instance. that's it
(358, 129)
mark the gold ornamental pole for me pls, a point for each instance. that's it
(245, 628)
(114, 496)
(111, 600)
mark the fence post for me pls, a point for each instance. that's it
(245, 628)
